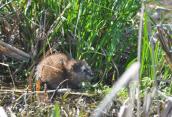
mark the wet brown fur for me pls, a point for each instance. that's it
(59, 69)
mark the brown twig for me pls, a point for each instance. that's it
(48, 91)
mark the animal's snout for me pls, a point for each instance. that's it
(91, 74)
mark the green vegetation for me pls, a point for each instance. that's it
(99, 31)
(103, 32)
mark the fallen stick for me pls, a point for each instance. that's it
(64, 90)
(13, 52)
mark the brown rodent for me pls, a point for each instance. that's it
(59, 69)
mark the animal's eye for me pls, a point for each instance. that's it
(84, 70)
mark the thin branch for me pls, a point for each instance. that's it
(139, 57)
(48, 91)
(6, 4)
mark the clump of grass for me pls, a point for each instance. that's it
(102, 32)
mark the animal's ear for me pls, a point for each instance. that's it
(84, 62)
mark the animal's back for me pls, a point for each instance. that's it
(51, 69)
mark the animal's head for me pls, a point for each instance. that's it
(82, 71)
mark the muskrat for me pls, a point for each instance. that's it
(59, 69)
